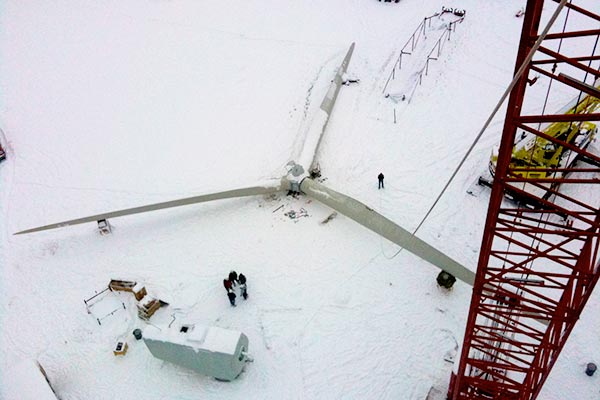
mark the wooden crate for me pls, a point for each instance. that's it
(120, 349)
(147, 310)
(123, 286)
(139, 292)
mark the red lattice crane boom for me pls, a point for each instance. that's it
(539, 256)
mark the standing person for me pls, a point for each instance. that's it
(228, 285)
(380, 179)
(233, 277)
(231, 295)
(243, 288)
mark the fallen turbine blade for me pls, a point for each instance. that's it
(329, 100)
(379, 224)
(316, 131)
(250, 191)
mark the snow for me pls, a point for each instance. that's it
(221, 340)
(137, 287)
(109, 105)
(27, 383)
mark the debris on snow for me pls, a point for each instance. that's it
(329, 217)
(293, 214)
(520, 13)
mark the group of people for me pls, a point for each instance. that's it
(234, 280)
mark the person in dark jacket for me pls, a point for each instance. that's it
(231, 295)
(243, 287)
(233, 277)
(380, 179)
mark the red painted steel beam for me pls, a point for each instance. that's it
(577, 34)
(554, 180)
(524, 219)
(554, 61)
(569, 60)
(567, 82)
(581, 10)
(558, 209)
(529, 119)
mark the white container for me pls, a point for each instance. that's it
(212, 351)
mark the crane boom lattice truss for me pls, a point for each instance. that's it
(537, 266)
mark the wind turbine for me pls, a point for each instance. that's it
(298, 180)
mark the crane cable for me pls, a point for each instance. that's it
(510, 87)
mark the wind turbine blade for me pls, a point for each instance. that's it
(250, 191)
(331, 96)
(379, 224)
(315, 134)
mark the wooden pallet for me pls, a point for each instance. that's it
(139, 291)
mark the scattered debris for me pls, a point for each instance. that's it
(456, 11)
(278, 208)
(315, 172)
(272, 196)
(293, 214)
(520, 13)
(329, 217)
(347, 79)
(451, 358)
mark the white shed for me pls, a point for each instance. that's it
(217, 352)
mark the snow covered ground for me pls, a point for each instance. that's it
(112, 104)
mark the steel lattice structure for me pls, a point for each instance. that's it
(539, 257)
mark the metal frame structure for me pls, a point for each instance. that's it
(537, 266)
